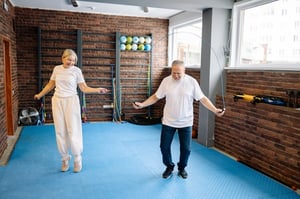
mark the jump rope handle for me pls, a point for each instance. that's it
(223, 109)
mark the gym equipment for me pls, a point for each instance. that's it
(137, 43)
(83, 109)
(147, 47)
(129, 40)
(128, 46)
(123, 39)
(123, 47)
(42, 112)
(144, 120)
(134, 47)
(254, 99)
(148, 40)
(135, 39)
(29, 116)
(249, 98)
(141, 47)
(271, 100)
(142, 40)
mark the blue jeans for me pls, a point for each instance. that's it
(167, 135)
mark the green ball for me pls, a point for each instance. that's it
(128, 46)
(141, 47)
(129, 40)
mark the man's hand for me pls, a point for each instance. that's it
(220, 112)
(137, 105)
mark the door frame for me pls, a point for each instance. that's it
(8, 87)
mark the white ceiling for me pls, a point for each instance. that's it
(156, 8)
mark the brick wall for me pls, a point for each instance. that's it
(27, 21)
(263, 136)
(7, 33)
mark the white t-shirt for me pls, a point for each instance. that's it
(180, 96)
(66, 80)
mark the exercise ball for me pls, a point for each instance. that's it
(142, 40)
(129, 40)
(135, 39)
(128, 46)
(148, 40)
(123, 47)
(123, 39)
(141, 47)
(147, 47)
(134, 47)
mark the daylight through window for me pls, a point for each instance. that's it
(268, 34)
(186, 43)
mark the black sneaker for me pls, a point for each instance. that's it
(167, 172)
(183, 173)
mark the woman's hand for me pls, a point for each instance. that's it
(36, 97)
(103, 90)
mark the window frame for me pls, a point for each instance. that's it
(235, 44)
(171, 43)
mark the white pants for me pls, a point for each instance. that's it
(68, 126)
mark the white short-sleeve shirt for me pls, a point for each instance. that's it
(66, 80)
(180, 96)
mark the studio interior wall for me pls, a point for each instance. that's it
(265, 137)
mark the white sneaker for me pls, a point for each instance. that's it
(65, 164)
(77, 166)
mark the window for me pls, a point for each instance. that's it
(265, 33)
(186, 43)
